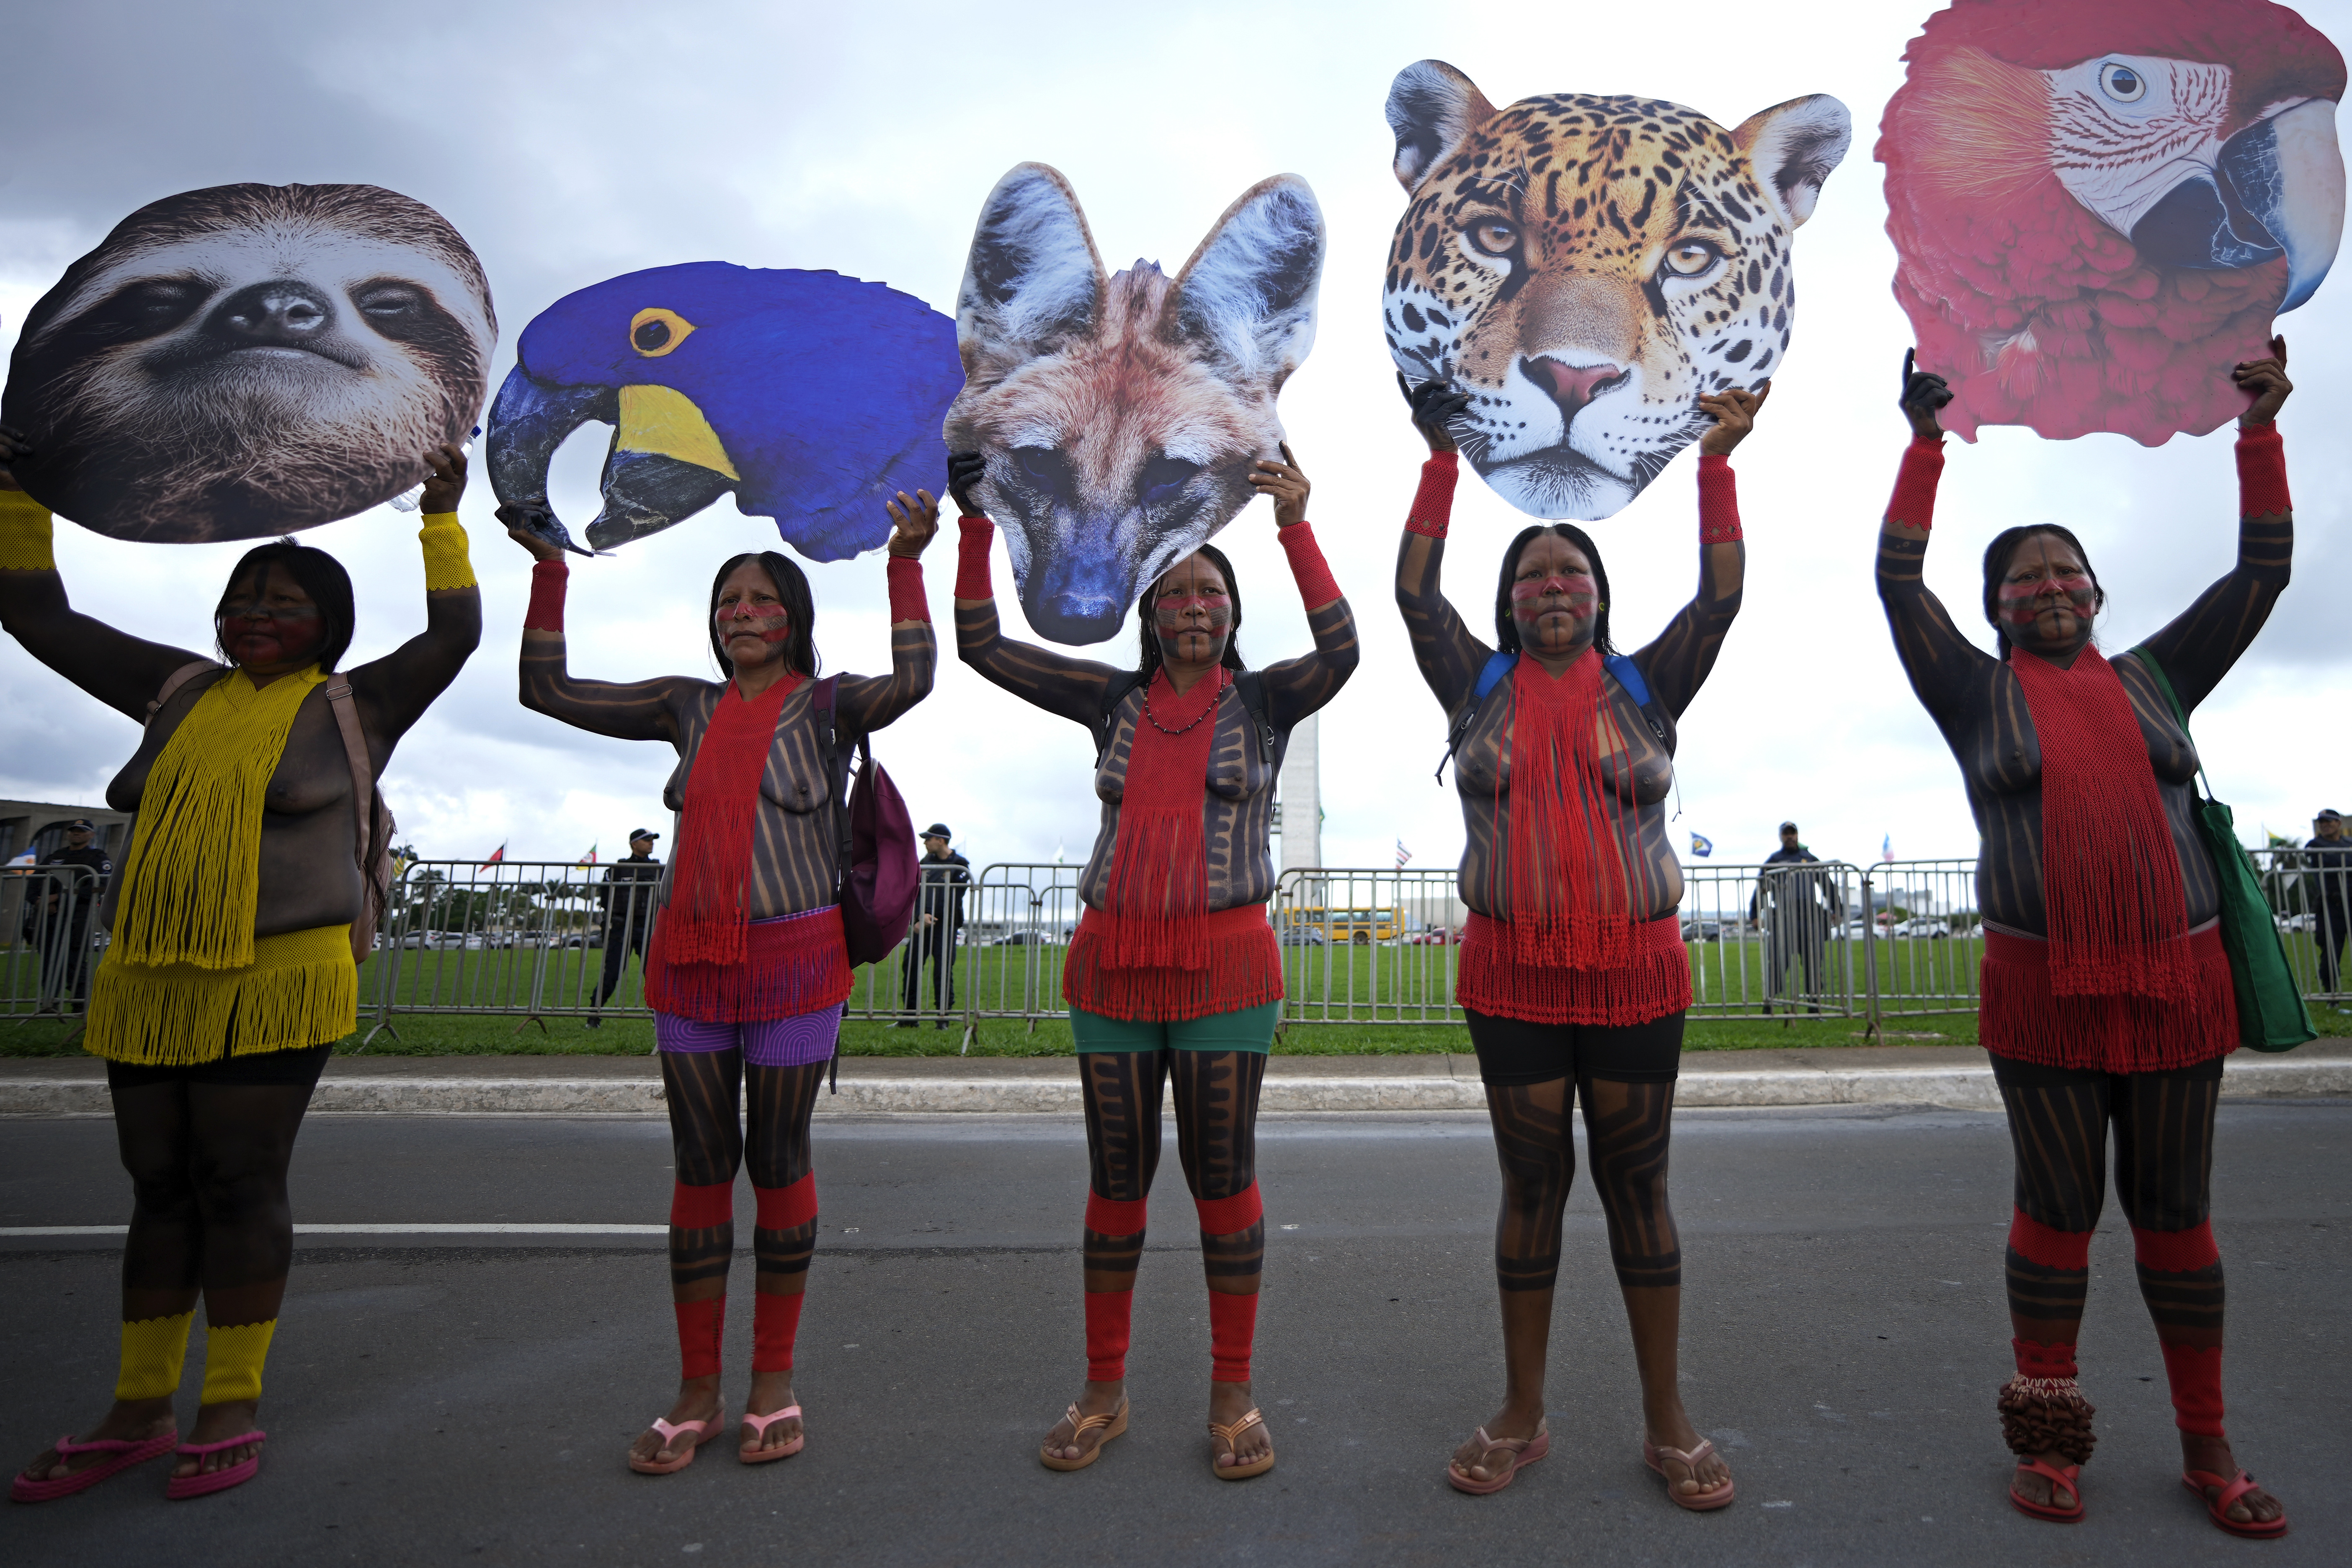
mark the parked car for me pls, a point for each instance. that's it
(1304, 936)
(1437, 937)
(1019, 938)
(2298, 922)
(1702, 931)
(1922, 927)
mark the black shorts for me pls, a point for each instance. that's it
(2011, 1073)
(1514, 1053)
(273, 1069)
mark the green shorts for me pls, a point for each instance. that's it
(1244, 1029)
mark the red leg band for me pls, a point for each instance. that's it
(1433, 504)
(977, 533)
(1222, 1216)
(1316, 587)
(2069, 1249)
(1232, 1324)
(699, 1208)
(906, 603)
(2196, 1378)
(1718, 500)
(2176, 1251)
(2037, 1360)
(2262, 473)
(1108, 1315)
(548, 580)
(699, 1326)
(787, 1208)
(1915, 484)
(775, 1323)
(1108, 1216)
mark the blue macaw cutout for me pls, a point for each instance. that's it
(811, 396)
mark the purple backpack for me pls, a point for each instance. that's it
(878, 874)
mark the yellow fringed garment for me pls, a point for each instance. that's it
(26, 534)
(184, 974)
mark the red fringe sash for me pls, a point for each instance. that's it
(794, 965)
(708, 913)
(1493, 980)
(1240, 967)
(2020, 1016)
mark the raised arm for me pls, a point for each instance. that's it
(868, 702)
(1677, 663)
(1297, 687)
(122, 671)
(394, 691)
(2199, 646)
(634, 710)
(1072, 688)
(1448, 655)
(1936, 657)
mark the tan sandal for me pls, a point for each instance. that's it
(1657, 1455)
(1115, 1425)
(1230, 1437)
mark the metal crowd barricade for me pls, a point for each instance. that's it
(2310, 894)
(1925, 936)
(1773, 940)
(1366, 945)
(51, 940)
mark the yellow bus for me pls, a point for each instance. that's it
(1362, 926)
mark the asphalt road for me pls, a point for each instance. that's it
(444, 1397)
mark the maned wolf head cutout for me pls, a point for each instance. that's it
(248, 360)
(1585, 268)
(1121, 414)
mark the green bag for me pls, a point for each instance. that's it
(2271, 1014)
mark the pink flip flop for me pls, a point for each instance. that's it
(126, 1452)
(1524, 1451)
(2056, 1512)
(1654, 1454)
(703, 1432)
(2218, 1509)
(760, 1424)
(179, 1488)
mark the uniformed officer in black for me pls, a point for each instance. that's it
(2328, 859)
(1796, 907)
(627, 897)
(68, 904)
(939, 916)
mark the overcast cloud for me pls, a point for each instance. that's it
(573, 141)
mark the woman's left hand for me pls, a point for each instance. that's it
(443, 490)
(1286, 482)
(917, 520)
(2265, 380)
(1735, 411)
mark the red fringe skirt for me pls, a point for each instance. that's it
(1244, 970)
(791, 965)
(2018, 1018)
(1655, 984)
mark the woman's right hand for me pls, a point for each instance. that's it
(1436, 406)
(965, 470)
(1923, 394)
(12, 446)
(518, 520)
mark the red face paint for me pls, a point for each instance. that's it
(769, 622)
(1572, 592)
(2021, 603)
(272, 634)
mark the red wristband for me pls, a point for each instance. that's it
(1315, 587)
(1914, 502)
(2262, 473)
(1718, 500)
(548, 580)
(971, 558)
(1433, 504)
(906, 575)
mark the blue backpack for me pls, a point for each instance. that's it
(1500, 665)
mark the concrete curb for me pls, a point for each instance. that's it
(1963, 1088)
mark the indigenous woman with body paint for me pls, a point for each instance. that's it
(1173, 971)
(2105, 993)
(1573, 972)
(230, 973)
(748, 969)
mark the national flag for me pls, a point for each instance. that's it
(495, 855)
(1404, 854)
(1886, 848)
(1701, 846)
(589, 859)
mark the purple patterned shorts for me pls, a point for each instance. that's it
(793, 1042)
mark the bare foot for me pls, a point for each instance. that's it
(1228, 1403)
(215, 1423)
(131, 1421)
(2037, 1488)
(1476, 1461)
(1670, 1428)
(2212, 1454)
(1065, 1442)
(697, 1400)
(771, 1392)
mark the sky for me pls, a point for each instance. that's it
(570, 143)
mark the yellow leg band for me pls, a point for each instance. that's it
(446, 565)
(153, 1352)
(233, 1358)
(25, 531)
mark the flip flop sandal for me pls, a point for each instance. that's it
(1230, 1436)
(1114, 1424)
(1654, 1454)
(1525, 1451)
(703, 1431)
(2050, 1510)
(2217, 1509)
(752, 1454)
(125, 1451)
(180, 1488)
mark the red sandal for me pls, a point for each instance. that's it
(2068, 1477)
(2217, 1509)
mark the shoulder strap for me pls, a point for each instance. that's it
(1114, 693)
(1498, 665)
(1251, 685)
(836, 768)
(1629, 676)
(176, 679)
(2164, 684)
(347, 719)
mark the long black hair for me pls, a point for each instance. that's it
(1147, 663)
(800, 611)
(317, 574)
(1506, 630)
(2003, 549)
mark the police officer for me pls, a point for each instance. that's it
(2329, 857)
(627, 897)
(1797, 907)
(68, 904)
(939, 916)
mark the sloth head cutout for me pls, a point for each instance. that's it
(250, 360)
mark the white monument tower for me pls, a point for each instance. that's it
(1299, 792)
